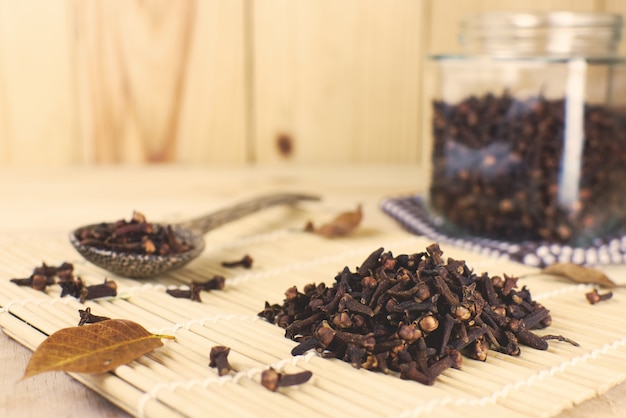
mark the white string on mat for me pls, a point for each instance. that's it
(43, 320)
(567, 315)
(572, 288)
(547, 392)
(65, 313)
(213, 302)
(133, 309)
(141, 287)
(231, 317)
(200, 318)
(206, 382)
(201, 339)
(182, 404)
(609, 316)
(236, 281)
(311, 393)
(147, 397)
(203, 320)
(333, 371)
(504, 391)
(255, 239)
(174, 362)
(122, 393)
(37, 302)
(268, 338)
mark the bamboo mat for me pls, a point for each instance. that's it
(175, 380)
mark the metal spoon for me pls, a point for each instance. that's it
(191, 232)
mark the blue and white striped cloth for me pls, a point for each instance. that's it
(411, 212)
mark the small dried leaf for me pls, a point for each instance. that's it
(579, 274)
(342, 225)
(94, 348)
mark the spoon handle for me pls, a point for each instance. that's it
(213, 220)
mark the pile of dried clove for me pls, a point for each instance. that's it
(497, 163)
(71, 285)
(136, 236)
(413, 314)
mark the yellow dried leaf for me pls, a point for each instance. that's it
(94, 348)
(342, 225)
(579, 274)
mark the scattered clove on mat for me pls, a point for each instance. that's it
(193, 292)
(218, 358)
(411, 314)
(106, 289)
(245, 262)
(272, 380)
(86, 317)
(71, 285)
(215, 283)
(45, 275)
(594, 296)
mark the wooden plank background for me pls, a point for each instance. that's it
(224, 81)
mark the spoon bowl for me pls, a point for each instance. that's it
(140, 265)
(134, 265)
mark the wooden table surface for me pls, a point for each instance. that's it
(55, 200)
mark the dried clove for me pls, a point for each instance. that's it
(86, 317)
(218, 358)
(106, 289)
(215, 283)
(135, 236)
(411, 314)
(26, 281)
(70, 285)
(245, 262)
(594, 297)
(272, 380)
(305, 345)
(410, 371)
(192, 293)
(560, 338)
(44, 276)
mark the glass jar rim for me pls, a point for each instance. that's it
(541, 19)
(549, 33)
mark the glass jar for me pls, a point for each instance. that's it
(527, 129)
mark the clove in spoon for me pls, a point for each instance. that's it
(131, 264)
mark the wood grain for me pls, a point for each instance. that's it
(50, 398)
(4, 118)
(214, 110)
(161, 81)
(132, 61)
(340, 79)
(36, 97)
(55, 394)
(225, 81)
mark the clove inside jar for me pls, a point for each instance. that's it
(527, 126)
